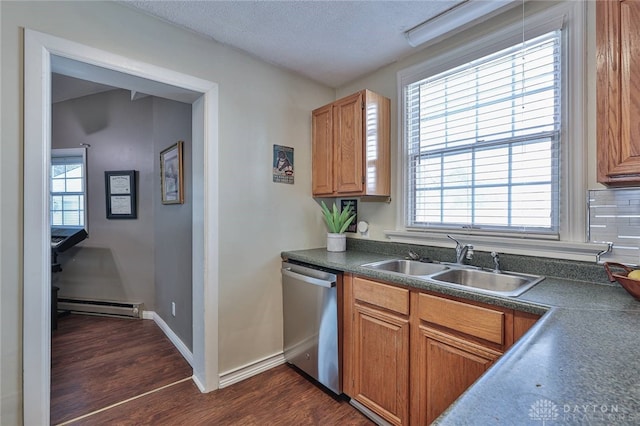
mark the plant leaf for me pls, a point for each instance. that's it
(328, 217)
(337, 222)
(347, 223)
(345, 213)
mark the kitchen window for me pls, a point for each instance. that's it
(493, 138)
(483, 142)
(68, 188)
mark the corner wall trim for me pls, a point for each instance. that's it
(173, 337)
(241, 373)
(198, 384)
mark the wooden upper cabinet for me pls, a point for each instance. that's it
(322, 151)
(618, 91)
(351, 148)
(348, 153)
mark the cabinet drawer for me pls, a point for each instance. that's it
(484, 323)
(382, 295)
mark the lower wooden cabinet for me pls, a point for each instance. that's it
(409, 354)
(381, 367)
(446, 367)
(380, 349)
(522, 322)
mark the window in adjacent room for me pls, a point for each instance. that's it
(68, 188)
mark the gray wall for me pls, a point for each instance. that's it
(116, 261)
(172, 223)
(147, 259)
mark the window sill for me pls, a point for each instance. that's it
(567, 250)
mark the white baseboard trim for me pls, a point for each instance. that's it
(180, 346)
(239, 374)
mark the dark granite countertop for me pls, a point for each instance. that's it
(577, 365)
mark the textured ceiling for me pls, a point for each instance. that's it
(332, 42)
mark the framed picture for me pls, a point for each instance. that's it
(171, 185)
(120, 193)
(283, 164)
(354, 204)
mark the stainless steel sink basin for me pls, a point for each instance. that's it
(502, 283)
(498, 283)
(406, 267)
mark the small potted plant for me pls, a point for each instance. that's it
(337, 223)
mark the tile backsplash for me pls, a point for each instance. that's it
(614, 216)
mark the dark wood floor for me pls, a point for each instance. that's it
(98, 362)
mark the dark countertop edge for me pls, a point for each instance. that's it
(417, 283)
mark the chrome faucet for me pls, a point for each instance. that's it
(496, 262)
(605, 251)
(462, 251)
(413, 255)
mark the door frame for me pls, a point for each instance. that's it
(39, 49)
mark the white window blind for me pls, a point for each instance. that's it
(483, 142)
(67, 206)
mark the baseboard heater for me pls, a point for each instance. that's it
(103, 307)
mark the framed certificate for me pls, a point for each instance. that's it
(120, 194)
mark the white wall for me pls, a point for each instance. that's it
(383, 217)
(260, 105)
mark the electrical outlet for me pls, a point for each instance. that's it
(173, 308)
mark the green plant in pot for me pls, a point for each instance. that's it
(337, 222)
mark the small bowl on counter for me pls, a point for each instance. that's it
(632, 286)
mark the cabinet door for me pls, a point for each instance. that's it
(447, 366)
(348, 144)
(377, 152)
(322, 151)
(381, 363)
(618, 91)
(522, 322)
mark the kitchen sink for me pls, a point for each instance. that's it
(406, 267)
(502, 283)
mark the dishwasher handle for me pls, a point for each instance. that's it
(307, 279)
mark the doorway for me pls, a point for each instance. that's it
(41, 53)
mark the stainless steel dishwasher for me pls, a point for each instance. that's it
(311, 323)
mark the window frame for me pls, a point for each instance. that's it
(571, 243)
(70, 152)
(507, 142)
